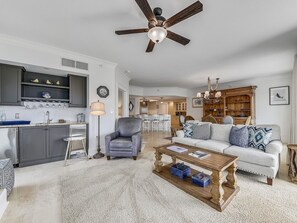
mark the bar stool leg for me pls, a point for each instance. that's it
(67, 151)
(85, 150)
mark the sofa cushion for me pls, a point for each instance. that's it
(220, 132)
(188, 129)
(121, 142)
(201, 131)
(259, 137)
(252, 155)
(239, 136)
(214, 145)
(186, 141)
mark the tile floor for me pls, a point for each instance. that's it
(36, 196)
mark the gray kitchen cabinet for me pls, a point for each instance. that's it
(78, 91)
(56, 145)
(32, 144)
(42, 144)
(10, 84)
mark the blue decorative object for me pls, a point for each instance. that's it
(180, 170)
(259, 138)
(188, 130)
(18, 122)
(46, 95)
(201, 179)
(239, 136)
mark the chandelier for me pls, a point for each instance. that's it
(212, 92)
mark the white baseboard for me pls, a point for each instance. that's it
(3, 202)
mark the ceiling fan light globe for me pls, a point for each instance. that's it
(157, 34)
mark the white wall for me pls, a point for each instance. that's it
(265, 114)
(159, 91)
(122, 83)
(100, 72)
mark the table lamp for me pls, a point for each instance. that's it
(98, 109)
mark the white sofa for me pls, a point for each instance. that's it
(250, 159)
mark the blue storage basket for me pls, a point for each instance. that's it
(201, 179)
(180, 170)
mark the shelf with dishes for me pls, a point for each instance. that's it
(44, 99)
(237, 102)
(45, 85)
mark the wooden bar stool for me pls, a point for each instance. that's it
(70, 141)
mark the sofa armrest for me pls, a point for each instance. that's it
(108, 139)
(136, 142)
(180, 134)
(274, 147)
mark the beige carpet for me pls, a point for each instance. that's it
(124, 190)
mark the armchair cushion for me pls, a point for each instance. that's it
(121, 142)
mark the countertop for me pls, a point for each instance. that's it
(43, 124)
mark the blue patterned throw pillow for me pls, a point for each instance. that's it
(188, 130)
(259, 137)
(239, 136)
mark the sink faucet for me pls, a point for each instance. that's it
(48, 117)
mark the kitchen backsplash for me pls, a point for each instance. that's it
(36, 114)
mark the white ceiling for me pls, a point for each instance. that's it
(230, 39)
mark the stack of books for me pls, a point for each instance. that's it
(199, 154)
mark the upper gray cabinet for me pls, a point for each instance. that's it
(78, 91)
(10, 84)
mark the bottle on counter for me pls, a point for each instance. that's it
(3, 116)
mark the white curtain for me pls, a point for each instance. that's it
(294, 104)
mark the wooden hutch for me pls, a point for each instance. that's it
(237, 102)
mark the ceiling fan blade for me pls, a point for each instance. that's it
(184, 14)
(131, 31)
(146, 9)
(177, 38)
(150, 47)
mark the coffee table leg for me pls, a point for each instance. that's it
(158, 163)
(231, 177)
(217, 191)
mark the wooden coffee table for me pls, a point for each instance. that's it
(219, 193)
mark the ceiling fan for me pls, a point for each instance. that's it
(158, 25)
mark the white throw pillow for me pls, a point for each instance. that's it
(220, 132)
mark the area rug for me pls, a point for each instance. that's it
(124, 190)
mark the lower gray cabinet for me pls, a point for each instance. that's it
(57, 146)
(33, 144)
(42, 144)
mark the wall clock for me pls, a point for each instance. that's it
(102, 92)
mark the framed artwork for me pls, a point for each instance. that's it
(197, 102)
(279, 95)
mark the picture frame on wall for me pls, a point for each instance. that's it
(197, 102)
(279, 95)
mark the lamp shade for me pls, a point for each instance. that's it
(97, 108)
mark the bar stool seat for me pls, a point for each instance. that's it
(70, 141)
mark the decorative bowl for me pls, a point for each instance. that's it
(46, 95)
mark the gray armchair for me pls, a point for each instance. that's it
(126, 141)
